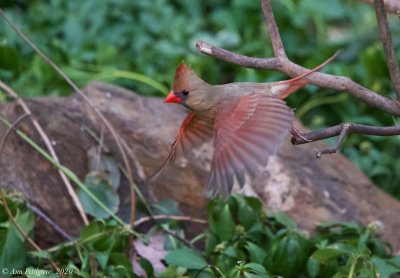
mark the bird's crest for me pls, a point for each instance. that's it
(184, 76)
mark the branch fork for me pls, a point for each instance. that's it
(281, 63)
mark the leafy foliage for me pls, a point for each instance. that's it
(270, 245)
(106, 240)
(12, 249)
(101, 187)
(255, 245)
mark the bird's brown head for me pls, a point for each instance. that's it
(188, 89)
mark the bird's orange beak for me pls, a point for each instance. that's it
(172, 98)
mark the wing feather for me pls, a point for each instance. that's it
(246, 132)
(193, 132)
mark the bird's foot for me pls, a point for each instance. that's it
(298, 134)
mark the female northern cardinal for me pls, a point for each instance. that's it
(247, 122)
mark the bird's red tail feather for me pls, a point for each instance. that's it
(298, 82)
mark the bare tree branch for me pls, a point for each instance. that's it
(270, 22)
(343, 130)
(339, 83)
(237, 59)
(388, 49)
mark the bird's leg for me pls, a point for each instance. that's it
(298, 134)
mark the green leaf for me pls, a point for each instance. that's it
(231, 252)
(313, 267)
(205, 273)
(26, 221)
(257, 254)
(226, 227)
(91, 229)
(186, 258)
(105, 168)
(147, 266)
(246, 215)
(9, 58)
(396, 261)
(168, 207)
(103, 247)
(73, 31)
(119, 259)
(362, 242)
(104, 191)
(251, 275)
(254, 203)
(102, 259)
(12, 251)
(334, 10)
(41, 254)
(12, 205)
(285, 220)
(328, 254)
(106, 53)
(104, 243)
(348, 225)
(234, 273)
(255, 268)
(172, 271)
(340, 275)
(385, 269)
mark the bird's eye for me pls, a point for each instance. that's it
(185, 92)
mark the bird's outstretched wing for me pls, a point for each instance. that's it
(193, 132)
(247, 131)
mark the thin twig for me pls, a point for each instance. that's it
(62, 245)
(237, 59)
(181, 218)
(339, 141)
(386, 39)
(49, 147)
(49, 221)
(17, 121)
(270, 22)
(181, 239)
(163, 216)
(97, 111)
(99, 149)
(93, 265)
(343, 130)
(3, 197)
(353, 128)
